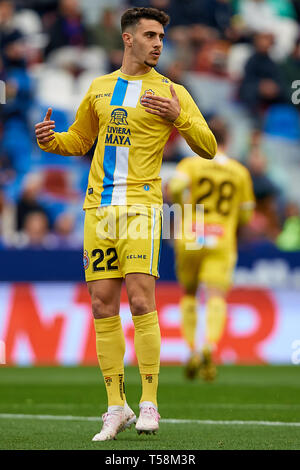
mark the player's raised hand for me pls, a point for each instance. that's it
(164, 107)
(44, 130)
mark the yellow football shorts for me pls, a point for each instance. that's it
(213, 267)
(119, 240)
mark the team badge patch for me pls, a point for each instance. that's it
(86, 260)
(147, 92)
(108, 381)
(119, 117)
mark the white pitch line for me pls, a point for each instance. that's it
(239, 406)
(167, 421)
(239, 423)
(49, 417)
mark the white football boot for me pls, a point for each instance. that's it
(117, 419)
(148, 421)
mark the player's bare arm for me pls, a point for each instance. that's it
(167, 108)
(44, 130)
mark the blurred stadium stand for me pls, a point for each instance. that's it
(238, 58)
(233, 65)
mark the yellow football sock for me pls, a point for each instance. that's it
(115, 389)
(110, 346)
(215, 319)
(147, 348)
(149, 388)
(188, 307)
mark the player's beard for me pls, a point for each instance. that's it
(148, 64)
(153, 63)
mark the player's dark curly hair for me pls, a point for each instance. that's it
(132, 17)
(219, 128)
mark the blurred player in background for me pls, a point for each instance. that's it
(132, 111)
(224, 187)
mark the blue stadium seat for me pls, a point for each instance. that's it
(282, 120)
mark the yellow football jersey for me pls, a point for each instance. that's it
(224, 187)
(127, 160)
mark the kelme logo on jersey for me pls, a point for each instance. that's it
(119, 117)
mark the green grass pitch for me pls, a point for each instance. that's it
(234, 412)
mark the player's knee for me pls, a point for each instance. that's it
(139, 305)
(190, 289)
(102, 309)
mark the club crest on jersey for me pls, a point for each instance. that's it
(119, 117)
(147, 92)
(86, 260)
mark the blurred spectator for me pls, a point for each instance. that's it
(68, 28)
(262, 84)
(64, 236)
(2, 205)
(187, 12)
(181, 47)
(265, 223)
(290, 69)
(257, 164)
(160, 4)
(289, 238)
(218, 15)
(7, 172)
(213, 13)
(279, 8)
(40, 6)
(107, 34)
(7, 26)
(14, 73)
(7, 219)
(36, 231)
(176, 72)
(210, 52)
(271, 16)
(258, 15)
(28, 202)
(16, 140)
(296, 4)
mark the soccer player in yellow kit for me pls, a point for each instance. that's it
(224, 187)
(132, 111)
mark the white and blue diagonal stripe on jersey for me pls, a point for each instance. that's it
(109, 165)
(115, 163)
(126, 93)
